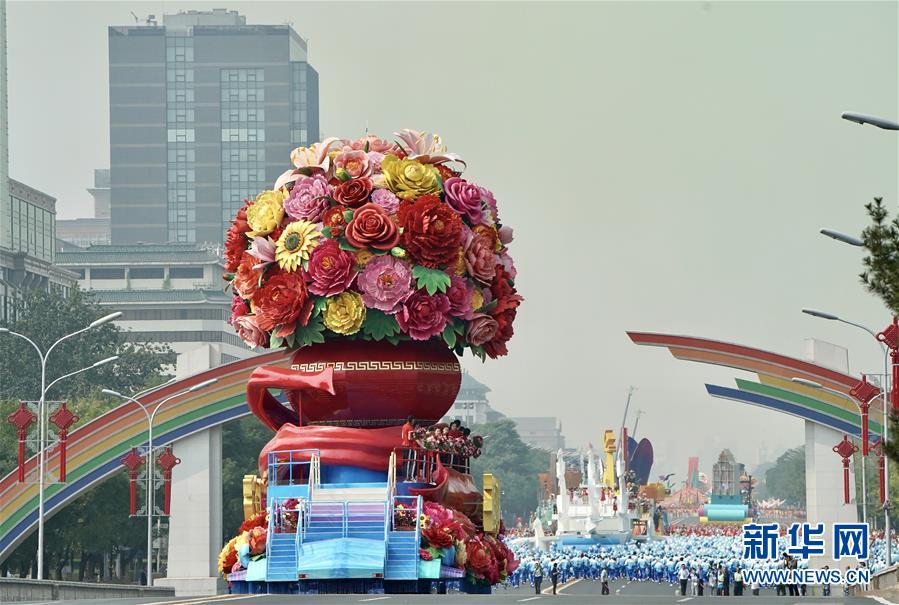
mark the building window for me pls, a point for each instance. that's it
(146, 273)
(186, 272)
(107, 273)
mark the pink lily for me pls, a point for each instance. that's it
(425, 147)
(263, 248)
(314, 158)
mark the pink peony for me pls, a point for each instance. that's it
(238, 308)
(481, 329)
(354, 162)
(385, 283)
(386, 200)
(249, 331)
(374, 160)
(480, 260)
(423, 316)
(464, 198)
(490, 201)
(505, 235)
(459, 294)
(331, 270)
(308, 200)
(508, 264)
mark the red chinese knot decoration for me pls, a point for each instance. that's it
(877, 446)
(63, 418)
(132, 461)
(845, 449)
(22, 419)
(167, 461)
(864, 392)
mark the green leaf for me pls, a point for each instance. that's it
(489, 307)
(275, 342)
(458, 326)
(479, 352)
(449, 336)
(394, 340)
(347, 215)
(345, 245)
(311, 333)
(318, 305)
(305, 171)
(378, 325)
(291, 339)
(326, 231)
(432, 280)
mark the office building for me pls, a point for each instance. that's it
(169, 293)
(88, 231)
(4, 119)
(204, 112)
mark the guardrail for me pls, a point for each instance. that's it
(290, 467)
(14, 590)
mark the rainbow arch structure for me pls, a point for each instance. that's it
(94, 449)
(774, 390)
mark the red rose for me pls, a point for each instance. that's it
(481, 329)
(353, 192)
(432, 231)
(282, 301)
(331, 270)
(236, 241)
(371, 226)
(333, 218)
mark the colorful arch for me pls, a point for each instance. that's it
(775, 390)
(94, 449)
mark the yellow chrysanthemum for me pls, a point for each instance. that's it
(296, 244)
(477, 300)
(409, 179)
(362, 258)
(345, 313)
(266, 213)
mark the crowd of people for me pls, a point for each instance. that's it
(452, 443)
(701, 560)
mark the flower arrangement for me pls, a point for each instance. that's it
(439, 439)
(374, 240)
(249, 542)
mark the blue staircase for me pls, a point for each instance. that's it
(402, 556)
(282, 558)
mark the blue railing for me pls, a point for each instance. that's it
(290, 467)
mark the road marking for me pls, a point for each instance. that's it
(528, 599)
(373, 599)
(569, 584)
(684, 600)
(213, 599)
(881, 600)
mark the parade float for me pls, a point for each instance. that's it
(607, 501)
(377, 265)
(731, 493)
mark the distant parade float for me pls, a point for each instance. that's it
(377, 265)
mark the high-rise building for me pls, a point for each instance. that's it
(4, 129)
(88, 231)
(204, 112)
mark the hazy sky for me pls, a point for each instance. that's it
(665, 166)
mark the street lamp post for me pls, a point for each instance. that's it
(42, 421)
(886, 416)
(817, 385)
(151, 416)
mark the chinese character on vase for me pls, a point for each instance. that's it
(845, 449)
(22, 419)
(63, 418)
(132, 461)
(864, 392)
(167, 461)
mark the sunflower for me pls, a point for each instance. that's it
(295, 244)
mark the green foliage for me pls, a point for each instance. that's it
(516, 464)
(881, 238)
(432, 280)
(378, 325)
(786, 479)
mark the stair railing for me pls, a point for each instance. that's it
(314, 475)
(269, 532)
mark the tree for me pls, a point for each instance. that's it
(245, 438)
(515, 463)
(786, 479)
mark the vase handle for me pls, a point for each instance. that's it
(269, 410)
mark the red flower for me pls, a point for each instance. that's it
(503, 291)
(437, 536)
(496, 347)
(432, 231)
(246, 278)
(446, 172)
(423, 316)
(257, 520)
(331, 270)
(236, 241)
(371, 226)
(480, 559)
(424, 555)
(333, 218)
(282, 301)
(354, 192)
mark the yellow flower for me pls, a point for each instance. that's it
(477, 299)
(362, 258)
(266, 213)
(296, 244)
(409, 179)
(345, 313)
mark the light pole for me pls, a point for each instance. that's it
(886, 417)
(42, 422)
(817, 385)
(150, 417)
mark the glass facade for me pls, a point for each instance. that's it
(31, 228)
(242, 138)
(180, 140)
